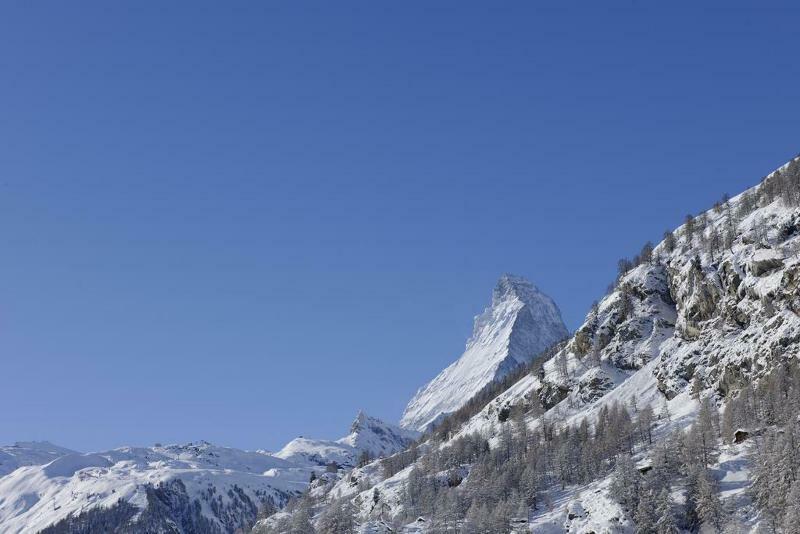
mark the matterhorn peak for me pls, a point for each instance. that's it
(519, 324)
(510, 285)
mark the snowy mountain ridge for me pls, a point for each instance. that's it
(28, 453)
(520, 323)
(211, 489)
(218, 487)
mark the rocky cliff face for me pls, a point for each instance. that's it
(715, 307)
(519, 324)
(737, 306)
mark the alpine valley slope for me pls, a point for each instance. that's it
(195, 488)
(707, 316)
(518, 325)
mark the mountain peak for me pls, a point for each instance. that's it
(510, 286)
(513, 283)
(361, 418)
(367, 434)
(377, 437)
(519, 324)
(361, 421)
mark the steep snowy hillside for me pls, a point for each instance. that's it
(214, 489)
(618, 431)
(368, 435)
(518, 325)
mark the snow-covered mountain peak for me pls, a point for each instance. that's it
(367, 435)
(519, 324)
(360, 421)
(377, 438)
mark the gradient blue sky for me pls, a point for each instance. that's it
(242, 222)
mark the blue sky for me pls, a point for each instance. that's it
(243, 223)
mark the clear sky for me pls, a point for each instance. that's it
(242, 222)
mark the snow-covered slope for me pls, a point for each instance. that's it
(367, 435)
(519, 324)
(28, 453)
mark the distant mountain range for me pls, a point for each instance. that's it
(221, 489)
